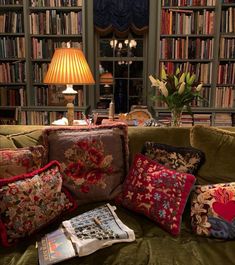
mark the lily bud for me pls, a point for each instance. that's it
(177, 71)
(176, 81)
(181, 89)
(187, 77)
(163, 89)
(191, 79)
(182, 78)
(199, 87)
(163, 74)
(155, 82)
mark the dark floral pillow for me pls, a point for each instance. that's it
(213, 210)
(182, 159)
(157, 192)
(30, 201)
(22, 160)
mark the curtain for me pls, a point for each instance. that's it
(121, 15)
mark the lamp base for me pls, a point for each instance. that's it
(70, 108)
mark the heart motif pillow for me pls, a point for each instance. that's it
(213, 210)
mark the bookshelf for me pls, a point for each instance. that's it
(30, 31)
(199, 36)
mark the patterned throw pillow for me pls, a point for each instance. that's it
(157, 192)
(94, 160)
(30, 201)
(182, 159)
(213, 210)
(22, 160)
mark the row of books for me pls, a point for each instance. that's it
(226, 73)
(188, 2)
(12, 47)
(55, 3)
(44, 48)
(188, 22)
(12, 72)
(203, 71)
(228, 20)
(225, 97)
(11, 2)
(56, 22)
(11, 22)
(39, 71)
(227, 48)
(12, 97)
(184, 48)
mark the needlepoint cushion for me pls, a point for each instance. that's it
(30, 201)
(94, 160)
(183, 159)
(22, 160)
(213, 210)
(157, 192)
(219, 148)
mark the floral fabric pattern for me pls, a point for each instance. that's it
(30, 201)
(182, 159)
(88, 164)
(19, 161)
(213, 210)
(157, 192)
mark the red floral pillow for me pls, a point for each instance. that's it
(30, 201)
(213, 210)
(157, 192)
(22, 160)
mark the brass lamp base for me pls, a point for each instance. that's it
(69, 96)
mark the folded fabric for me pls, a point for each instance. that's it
(157, 192)
(30, 201)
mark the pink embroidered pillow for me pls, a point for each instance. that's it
(157, 192)
(94, 160)
(30, 201)
(22, 160)
(213, 210)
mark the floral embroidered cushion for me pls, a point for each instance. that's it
(213, 210)
(22, 160)
(183, 159)
(157, 192)
(94, 160)
(30, 201)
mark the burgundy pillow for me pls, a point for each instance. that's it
(157, 192)
(22, 160)
(94, 160)
(30, 201)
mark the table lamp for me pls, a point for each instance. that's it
(69, 67)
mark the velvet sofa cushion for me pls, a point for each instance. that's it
(213, 210)
(30, 201)
(182, 159)
(22, 160)
(219, 148)
(94, 160)
(157, 192)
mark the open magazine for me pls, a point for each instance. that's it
(83, 235)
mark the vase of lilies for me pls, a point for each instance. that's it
(178, 91)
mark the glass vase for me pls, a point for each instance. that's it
(176, 115)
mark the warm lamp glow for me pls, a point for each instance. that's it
(69, 67)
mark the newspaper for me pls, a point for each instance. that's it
(83, 235)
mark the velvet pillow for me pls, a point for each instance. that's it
(182, 159)
(22, 160)
(157, 192)
(219, 148)
(94, 160)
(213, 210)
(30, 201)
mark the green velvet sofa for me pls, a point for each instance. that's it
(153, 245)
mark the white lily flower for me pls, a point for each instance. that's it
(163, 89)
(199, 87)
(155, 82)
(181, 89)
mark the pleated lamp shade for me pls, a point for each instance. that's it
(69, 66)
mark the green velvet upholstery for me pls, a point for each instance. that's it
(153, 246)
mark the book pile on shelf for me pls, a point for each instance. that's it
(165, 118)
(223, 119)
(83, 235)
(202, 118)
(224, 97)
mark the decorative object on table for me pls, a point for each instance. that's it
(68, 67)
(111, 110)
(177, 91)
(140, 115)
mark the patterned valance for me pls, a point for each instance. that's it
(121, 16)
